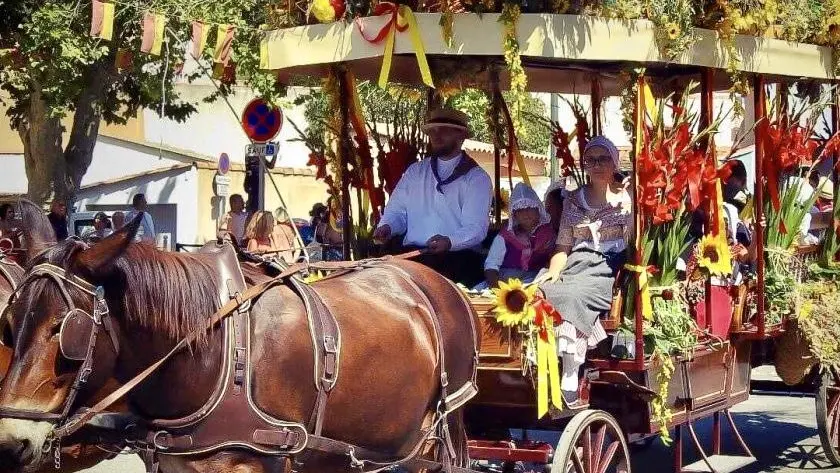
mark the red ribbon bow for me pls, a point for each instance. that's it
(546, 316)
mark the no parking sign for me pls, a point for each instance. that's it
(261, 120)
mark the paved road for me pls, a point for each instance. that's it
(780, 429)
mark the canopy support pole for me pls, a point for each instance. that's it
(344, 156)
(759, 103)
(707, 88)
(495, 96)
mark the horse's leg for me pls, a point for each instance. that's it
(223, 462)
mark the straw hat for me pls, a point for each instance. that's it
(826, 187)
(449, 118)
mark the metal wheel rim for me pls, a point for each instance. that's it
(593, 442)
(828, 415)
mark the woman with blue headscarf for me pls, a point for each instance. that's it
(590, 250)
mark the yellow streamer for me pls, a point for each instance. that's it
(405, 17)
(548, 374)
(644, 289)
(160, 25)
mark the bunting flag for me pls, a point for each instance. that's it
(154, 25)
(102, 20)
(224, 41)
(264, 51)
(200, 30)
(124, 60)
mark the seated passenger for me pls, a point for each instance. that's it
(590, 251)
(554, 202)
(525, 246)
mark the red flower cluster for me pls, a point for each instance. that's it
(785, 149)
(670, 168)
(561, 142)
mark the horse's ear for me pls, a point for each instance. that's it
(38, 233)
(99, 258)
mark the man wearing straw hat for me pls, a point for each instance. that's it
(442, 204)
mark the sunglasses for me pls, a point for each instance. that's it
(592, 161)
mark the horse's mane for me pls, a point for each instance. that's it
(167, 293)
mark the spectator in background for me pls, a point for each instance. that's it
(147, 225)
(7, 217)
(58, 219)
(117, 220)
(317, 214)
(101, 228)
(259, 232)
(234, 221)
(284, 236)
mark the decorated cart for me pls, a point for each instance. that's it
(682, 341)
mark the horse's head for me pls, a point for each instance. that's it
(65, 343)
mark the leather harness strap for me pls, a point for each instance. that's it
(76, 422)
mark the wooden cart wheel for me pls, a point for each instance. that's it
(828, 415)
(592, 442)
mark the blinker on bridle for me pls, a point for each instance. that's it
(76, 326)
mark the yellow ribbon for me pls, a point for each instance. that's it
(405, 17)
(645, 105)
(644, 289)
(548, 374)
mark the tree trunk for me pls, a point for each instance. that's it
(51, 170)
(42, 153)
(83, 135)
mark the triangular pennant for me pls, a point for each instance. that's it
(153, 29)
(124, 60)
(102, 20)
(224, 41)
(264, 51)
(200, 31)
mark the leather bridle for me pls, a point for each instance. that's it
(100, 318)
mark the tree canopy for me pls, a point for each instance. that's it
(52, 68)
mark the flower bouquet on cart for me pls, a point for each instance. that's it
(523, 308)
(676, 180)
(791, 153)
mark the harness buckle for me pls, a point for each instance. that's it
(84, 374)
(330, 344)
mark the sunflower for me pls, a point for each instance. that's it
(673, 30)
(713, 255)
(513, 302)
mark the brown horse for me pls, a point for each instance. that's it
(36, 235)
(388, 387)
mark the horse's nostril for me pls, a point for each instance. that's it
(25, 448)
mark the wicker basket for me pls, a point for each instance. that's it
(793, 356)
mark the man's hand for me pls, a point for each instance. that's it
(382, 234)
(439, 244)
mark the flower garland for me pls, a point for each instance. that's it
(518, 80)
(674, 20)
